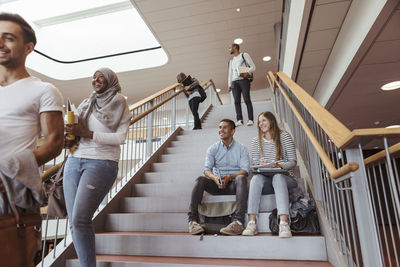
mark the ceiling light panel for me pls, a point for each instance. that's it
(87, 31)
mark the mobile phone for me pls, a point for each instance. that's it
(221, 181)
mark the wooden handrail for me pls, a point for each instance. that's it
(336, 130)
(334, 173)
(358, 133)
(153, 96)
(382, 154)
(46, 174)
(142, 115)
(166, 90)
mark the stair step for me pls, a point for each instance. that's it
(184, 150)
(181, 203)
(201, 154)
(155, 204)
(200, 143)
(148, 261)
(165, 222)
(194, 165)
(170, 177)
(182, 189)
(263, 246)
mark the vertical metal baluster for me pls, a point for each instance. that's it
(45, 238)
(394, 194)
(55, 239)
(380, 210)
(398, 186)
(386, 212)
(374, 207)
(66, 231)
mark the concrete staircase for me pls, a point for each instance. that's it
(151, 226)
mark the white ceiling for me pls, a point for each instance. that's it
(326, 21)
(362, 102)
(196, 35)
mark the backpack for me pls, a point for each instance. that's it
(212, 225)
(299, 225)
(202, 93)
(251, 75)
(217, 215)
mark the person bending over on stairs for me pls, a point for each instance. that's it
(232, 160)
(193, 96)
(92, 168)
(272, 145)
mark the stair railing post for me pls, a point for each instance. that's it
(187, 115)
(211, 89)
(149, 143)
(366, 227)
(173, 113)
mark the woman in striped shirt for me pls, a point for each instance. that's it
(272, 145)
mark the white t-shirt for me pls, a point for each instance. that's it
(234, 63)
(20, 106)
(105, 144)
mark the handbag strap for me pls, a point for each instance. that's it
(59, 172)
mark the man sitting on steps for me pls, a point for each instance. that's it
(232, 160)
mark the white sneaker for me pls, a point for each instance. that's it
(284, 230)
(250, 122)
(251, 229)
(239, 123)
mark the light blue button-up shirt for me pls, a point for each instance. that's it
(227, 160)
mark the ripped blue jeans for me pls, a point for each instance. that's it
(86, 183)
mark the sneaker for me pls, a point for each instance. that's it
(284, 230)
(234, 228)
(195, 228)
(239, 123)
(251, 229)
(250, 122)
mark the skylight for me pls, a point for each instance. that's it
(76, 37)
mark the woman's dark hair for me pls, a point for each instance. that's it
(274, 131)
(237, 46)
(231, 123)
(180, 77)
(27, 31)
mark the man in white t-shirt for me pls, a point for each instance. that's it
(28, 106)
(239, 82)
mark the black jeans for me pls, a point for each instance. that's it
(237, 187)
(242, 87)
(194, 107)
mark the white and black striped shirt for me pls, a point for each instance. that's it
(288, 151)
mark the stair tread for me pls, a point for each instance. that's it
(137, 233)
(209, 261)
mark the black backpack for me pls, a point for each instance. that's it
(202, 93)
(299, 225)
(212, 225)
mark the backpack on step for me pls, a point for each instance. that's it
(214, 216)
(212, 225)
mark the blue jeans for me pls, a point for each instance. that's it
(86, 182)
(281, 183)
